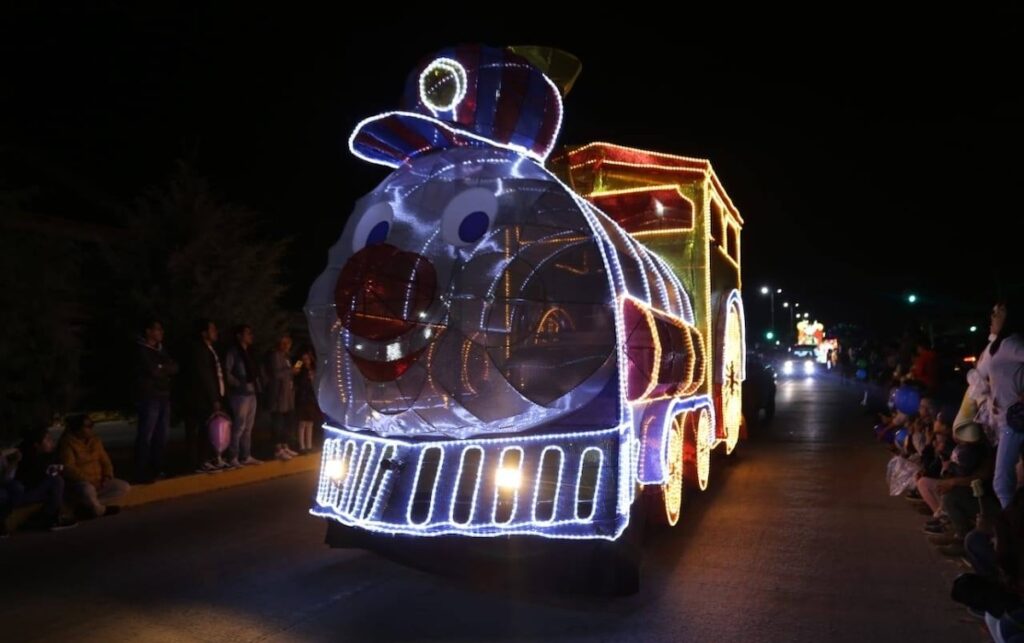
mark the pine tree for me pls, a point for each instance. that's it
(192, 255)
(41, 315)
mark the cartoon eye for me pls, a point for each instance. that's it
(374, 226)
(468, 216)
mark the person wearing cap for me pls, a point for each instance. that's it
(972, 460)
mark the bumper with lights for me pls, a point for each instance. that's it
(556, 486)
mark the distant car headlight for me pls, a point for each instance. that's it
(809, 367)
(787, 367)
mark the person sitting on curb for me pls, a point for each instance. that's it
(88, 469)
(39, 478)
(9, 459)
(972, 459)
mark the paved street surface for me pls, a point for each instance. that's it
(796, 540)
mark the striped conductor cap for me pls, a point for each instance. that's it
(467, 96)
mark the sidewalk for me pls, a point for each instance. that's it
(203, 482)
(196, 483)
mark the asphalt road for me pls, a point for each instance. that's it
(796, 540)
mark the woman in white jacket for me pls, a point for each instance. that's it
(1002, 364)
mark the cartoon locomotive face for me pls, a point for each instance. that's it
(467, 295)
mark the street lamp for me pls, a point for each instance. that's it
(767, 290)
(785, 304)
(911, 298)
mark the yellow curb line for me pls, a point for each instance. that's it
(203, 482)
(197, 483)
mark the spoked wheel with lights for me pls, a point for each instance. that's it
(731, 394)
(672, 490)
(697, 452)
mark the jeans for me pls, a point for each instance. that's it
(10, 493)
(151, 438)
(962, 508)
(981, 551)
(1007, 453)
(243, 410)
(49, 492)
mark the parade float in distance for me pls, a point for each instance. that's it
(516, 339)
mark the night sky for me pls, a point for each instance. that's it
(847, 143)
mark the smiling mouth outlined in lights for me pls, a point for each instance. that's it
(386, 371)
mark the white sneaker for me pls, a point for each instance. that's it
(252, 460)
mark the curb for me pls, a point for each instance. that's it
(197, 483)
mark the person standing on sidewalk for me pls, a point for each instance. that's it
(1001, 364)
(242, 384)
(281, 395)
(205, 389)
(307, 409)
(155, 370)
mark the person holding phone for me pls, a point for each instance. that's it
(306, 407)
(40, 476)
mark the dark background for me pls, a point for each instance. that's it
(871, 155)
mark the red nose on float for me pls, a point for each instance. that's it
(382, 293)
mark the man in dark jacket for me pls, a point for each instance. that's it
(155, 370)
(242, 381)
(204, 395)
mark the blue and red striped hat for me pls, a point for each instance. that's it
(471, 95)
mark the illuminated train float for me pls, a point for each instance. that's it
(513, 341)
